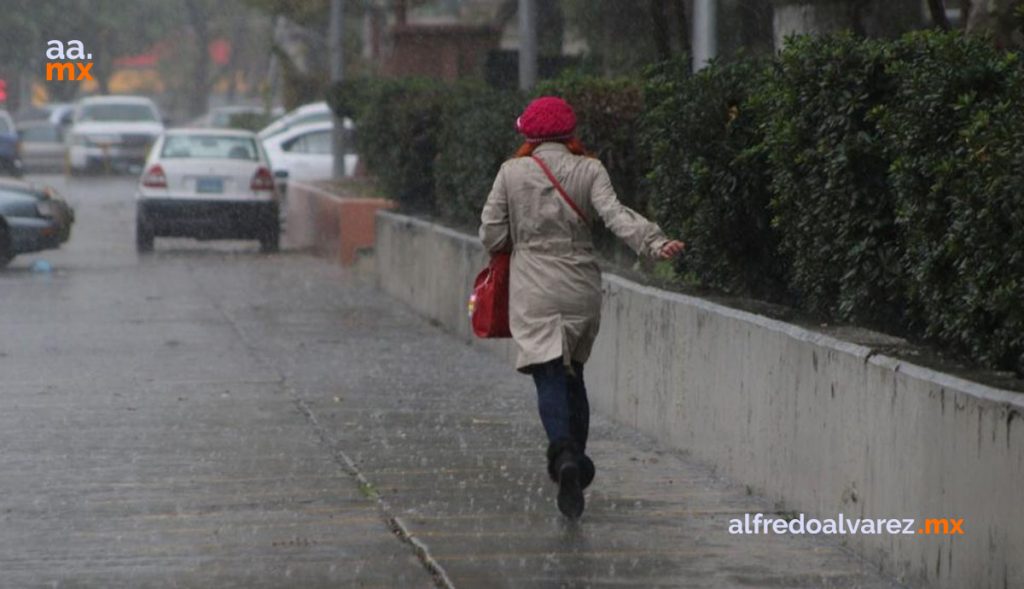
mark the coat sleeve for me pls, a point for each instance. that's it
(495, 229)
(643, 236)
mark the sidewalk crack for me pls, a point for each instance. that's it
(394, 523)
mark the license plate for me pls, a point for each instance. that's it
(208, 185)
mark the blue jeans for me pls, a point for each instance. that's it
(562, 401)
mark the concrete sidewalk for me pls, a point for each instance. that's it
(207, 416)
(447, 439)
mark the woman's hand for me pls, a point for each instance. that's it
(671, 249)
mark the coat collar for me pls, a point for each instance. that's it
(551, 146)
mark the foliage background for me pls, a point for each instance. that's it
(866, 181)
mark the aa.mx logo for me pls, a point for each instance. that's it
(70, 56)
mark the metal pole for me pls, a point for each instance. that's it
(336, 46)
(705, 32)
(527, 44)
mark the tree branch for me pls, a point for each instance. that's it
(659, 24)
(938, 12)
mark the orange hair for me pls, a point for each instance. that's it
(575, 146)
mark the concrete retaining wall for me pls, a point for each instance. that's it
(333, 225)
(821, 425)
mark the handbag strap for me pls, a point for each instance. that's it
(558, 187)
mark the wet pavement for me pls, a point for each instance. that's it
(208, 416)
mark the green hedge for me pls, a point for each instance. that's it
(608, 115)
(878, 182)
(477, 134)
(399, 122)
(956, 125)
(832, 205)
(875, 182)
(709, 179)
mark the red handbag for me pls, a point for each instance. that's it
(488, 305)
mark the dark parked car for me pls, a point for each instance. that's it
(10, 148)
(31, 219)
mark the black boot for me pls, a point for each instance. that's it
(587, 468)
(587, 471)
(564, 463)
(552, 455)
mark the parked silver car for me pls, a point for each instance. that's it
(42, 146)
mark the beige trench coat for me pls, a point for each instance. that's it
(555, 282)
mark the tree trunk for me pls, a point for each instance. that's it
(103, 62)
(200, 95)
(659, 28)
(239, 34)
(550, 28)
(996, 18)
(937, 8)
(682, 24)
(888, 20)
(401, 12)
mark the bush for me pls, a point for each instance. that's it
(866, 181)
(709, 178)
(250, 121)
(351, 97)
(399, 121)
(608, 113)
(477, 135)
(957, 125)
(833, 208)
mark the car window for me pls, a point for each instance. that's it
(9, 191)
(41, 134)
(311, 118)
(128, 113)
(319, 142)
(209, 146)
(5, 125)
(316, 142)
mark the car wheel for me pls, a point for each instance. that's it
(144, 237)
(270, 242)
(5, 245)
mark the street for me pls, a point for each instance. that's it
(209, 416)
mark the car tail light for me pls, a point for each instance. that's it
(155, 177)
(262, 180)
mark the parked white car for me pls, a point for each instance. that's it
(316, 112)
(112, 132)
(207, 184)
(304, 152)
